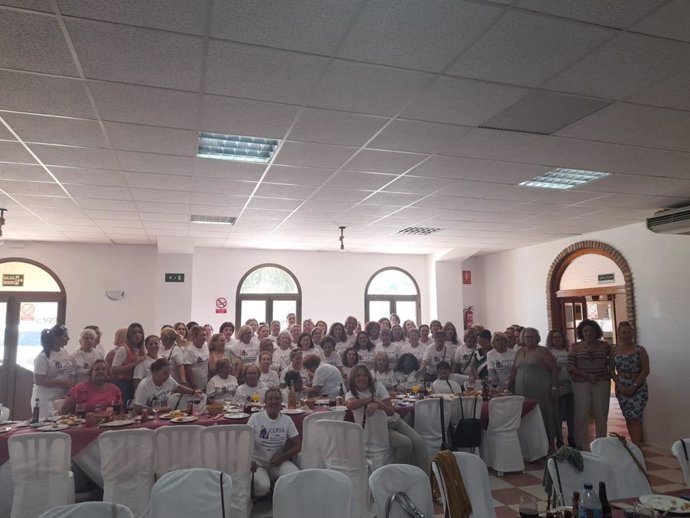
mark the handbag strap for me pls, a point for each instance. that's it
(113, 511)
(405, 504)
(560, 486)
(622, 440)
(685, 450)
(469, 362)
(444, 444)
(450, 387)
(222, 494)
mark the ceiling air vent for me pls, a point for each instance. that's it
(214, 220)
(418, 231)
(544, 113)
(672, 221)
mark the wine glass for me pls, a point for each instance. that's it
(53, 410)
(156, 407)
(80, 410)
(415, 389)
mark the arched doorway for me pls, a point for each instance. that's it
(268, 292)
(32, 298)
(605, 295)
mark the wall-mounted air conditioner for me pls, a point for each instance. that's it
(672, 221)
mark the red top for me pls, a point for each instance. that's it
(84, 392)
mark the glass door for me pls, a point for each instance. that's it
(573, 309)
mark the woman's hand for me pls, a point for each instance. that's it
(591, 378)
(372, 408)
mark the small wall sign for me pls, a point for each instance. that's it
(174, 277)
(606, 278)
(221, 305)
(466, 277)
(13, 279)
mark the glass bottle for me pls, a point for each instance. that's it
(606, 510)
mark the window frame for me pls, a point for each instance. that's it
(268, 297)
(393, 299)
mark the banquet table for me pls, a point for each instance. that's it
(618, 513)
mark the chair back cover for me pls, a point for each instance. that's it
(312, 493)
(475, 476)
(177, 447)
(680, 454)
(388, 480)
(127, 467)
(4, 413)
(192, 492)
(629, 479)
(377, 447)
(229, 448)
(505, 414)
(500, 447)
(309, 457)
(460, 379)
(427, 422)
(341, 445)
(595, 470)
(89, 510)
(40, 465)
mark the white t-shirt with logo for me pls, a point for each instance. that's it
(143, 368)
(334, 359)
(58, 366)
(329, 379)
(175, 356)
(500, 366)
(270, 378)
(147, 390)
(417, 352)
(281, 359)
(388, 379)
(82, 363)
(245, 392)
(248, 353)
(392, 351)
(462, 358)
(217, 387)
(270, 436)
(197, 359)
(434, 357)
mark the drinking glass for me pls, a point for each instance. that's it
(643, 511)
(80, 410)
(156, 407)
(415, 389)
(528, 507)
(53, 410)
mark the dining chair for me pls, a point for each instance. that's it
(630, 480)
(229, 448)
(377, 446)
(475, 477)
(427, 421)
(90, 510)
(460, 379)
(127, 467)
(682, 454)
(500, 447)
(567, 479)
(411, 480)
(308, 457)
(310, 492)
(40, 465)
(180, 402)
(192, 492)
(177, 447)
(341, 445)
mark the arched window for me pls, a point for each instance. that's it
(392, 290)
(268, 292)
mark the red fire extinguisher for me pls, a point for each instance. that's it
(468, 316)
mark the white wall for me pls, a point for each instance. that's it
(515, 288)
(583, 272)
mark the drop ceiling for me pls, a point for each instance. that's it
(385, 110)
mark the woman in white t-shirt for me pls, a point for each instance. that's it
(53, 370)
(413, 346)
(143, 369)
(340, 342)
(281, 354)
(383, 373)
(451, 338)
(386, 345)
(499, 361)
(252, 386)
(398, 337)
(158, 385)
(295, 365)
(365, 348)
(329, 354)
(466, 353)
(275, 443)
(173, 351)
(267, 376)
(424, 338)
(223, 384)
(558, 345)
(196, 359)
(406, 371)
(126, 359)
(351, 330)
(87, 354)
(350, 359)
(246, 348)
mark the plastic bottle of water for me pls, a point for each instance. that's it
(590, 506)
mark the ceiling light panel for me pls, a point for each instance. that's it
(564, 179)
(234, 147)
(213, 220)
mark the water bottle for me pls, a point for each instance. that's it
(590, 506)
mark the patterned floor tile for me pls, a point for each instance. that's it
(498, 483)
(672, 475)
(666, 462)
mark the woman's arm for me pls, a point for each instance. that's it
(44, 380)
(68, 406)
(550, 361)
(291, 448)
(612, 366)
(182, 374)
(384, 405)
(354, 404)
(642, 376)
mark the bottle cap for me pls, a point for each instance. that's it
(588, 486)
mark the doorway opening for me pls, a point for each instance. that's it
(32, 298)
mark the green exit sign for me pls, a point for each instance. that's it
(174, 277)
(606, 277)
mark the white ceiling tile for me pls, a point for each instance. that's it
(219, 199)
(74, 156)
(171, 15)
(275, 190)
(352, 180)
(613, 13)
(108, 225)
(474, 189)
(295, 175)
(100, 192)
(244, 117)
(155, 163)
(24, 172)
(211, 185)
(145, 104)
(418, 35)
(231, 208)
(627, 201)
(526, 49)
(101, 204)
(159, 181)
(36, 93)
(335, 127)
(313, 155)
(56, 130)
(131, 137)
(452, 167)
(261, 73)
(343, 196)
(393, 199)
(669, 92)
(70, 175)
(417, 136)
(154, 216)
(23, 50)
(618, 183)
(609, 72)
(486, 143)
(671, 21)
(328, 205)
(33, 5)
(270, 204)
(284, 25)
(569, 197)
(462, 101)
(15, 152)
(161, 196)
(98, 214)
(263, 215)
(227, 169)
(365, 88)
(418, 185)
(136, 55)
(5, 134)
(369, 160)
(33, 188)
(508, 172)
(48, 202)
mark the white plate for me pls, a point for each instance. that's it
(339, 407)
(668, 504)
(117, 424)
(322, 402)
(238, 415)
(73, 422)
(231, 408)
(293, 411)
(4, 429)
(184, 419)
(52, 427)
(167, 416)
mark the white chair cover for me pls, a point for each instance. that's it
(309, 456)
(4, 414)
(40, 469)
(500, 443)
(229, 448)
(89, 510)
(191, 492)
(127, 466)
(427, 421)
(595, 470)
(377, 447)
(460, 379)
(341, 445)
(312, 493)
(184, 400)
(679, 453)
(532, 433)
(629, 479)
(177, 447)
(475, 477)
(388, 480)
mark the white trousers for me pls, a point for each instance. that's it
(264, 477)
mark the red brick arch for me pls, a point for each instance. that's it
(567, 256)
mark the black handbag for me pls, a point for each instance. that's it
(468, 432)
(405, 503)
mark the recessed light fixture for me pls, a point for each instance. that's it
(235, 147)
(564, 179)
(213, 220)
(419, 231)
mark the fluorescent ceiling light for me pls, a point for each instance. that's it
(234, 147)
(564, 179)
(213, 220)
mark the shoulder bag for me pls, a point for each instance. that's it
(407, 505)
(468, 433)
